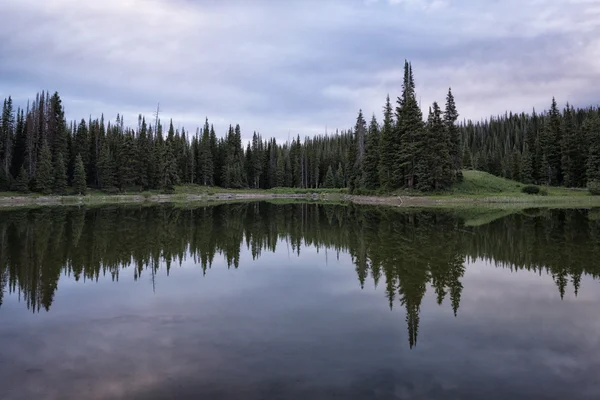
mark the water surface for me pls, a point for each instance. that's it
(298, 301)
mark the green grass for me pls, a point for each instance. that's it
(482, 184)
(476, 187)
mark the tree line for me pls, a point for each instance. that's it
(557, 147)
(40, 151)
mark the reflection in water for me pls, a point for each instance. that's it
(405, 250)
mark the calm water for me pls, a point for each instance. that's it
(298, 301)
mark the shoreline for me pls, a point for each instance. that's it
(394, 201)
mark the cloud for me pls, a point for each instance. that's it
(296, 66)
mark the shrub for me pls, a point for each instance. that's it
(530, 189)
(543, 192)
(594, 188)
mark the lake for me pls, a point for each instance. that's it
(298, 301)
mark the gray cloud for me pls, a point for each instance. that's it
(296, 66)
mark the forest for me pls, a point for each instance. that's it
(39, 246)
(40, 151)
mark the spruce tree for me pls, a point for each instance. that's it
(592, 129)
(515, 165)
(329, 178)
(19, 152)
(57, 126)
(409, 127)
(44, 177)
(168, 172)
(453, 135)
(371, 162)
(280, 173)
(79, 177)
(357, 156)
(527, 166)
(386, 147)
(550, 146)
(60, 175)
(21, 184)
(434, 168)
(106, 169)
(205, 158)
(7, 125)
(339, 176)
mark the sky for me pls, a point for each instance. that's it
(298, 66)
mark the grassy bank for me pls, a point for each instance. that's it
(477, 188)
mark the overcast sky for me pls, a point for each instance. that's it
(297, 65)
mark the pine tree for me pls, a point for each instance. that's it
(21, 184)
(515, 165)
(6, 143)
(527, 166)
(573, 149)
(280, 173)
(434, 168)
(339, 176)
(127, 162)
(79, 177)
(19, 152)
(357, 157)
(592, 131)
(60, 175)
(329, 178)
(550, 145)
(168, 172)
(205, 158)
(106, 169)
(57, 126)
(453, 135)
(371, 162)
(386, 147)
(45, 173)
(409, 129)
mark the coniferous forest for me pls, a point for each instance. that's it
(40, 151)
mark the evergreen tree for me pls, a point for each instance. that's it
(6, 142)
(339, 176)
(22, 182)
(434, 167)
(126, 162)
(106, 169)
(168, 172)
(57, 126)
(515, 165)
(280, 173)
(409, 143)
(592, 130)
(386, 147)
(371, 162)
(79, 177)
(573, 149)
(45, 173)
(19, 151)
(357, 157)
(205, 158)
(60, 175)
(81, 144)
(453, 135)
(527, 166)
(329, 178)
(550, 145)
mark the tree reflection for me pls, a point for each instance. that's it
(403, 249)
